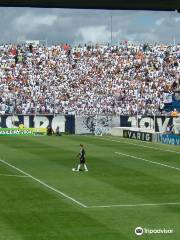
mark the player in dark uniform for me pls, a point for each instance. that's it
(82, 159)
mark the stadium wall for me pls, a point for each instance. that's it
(65, 122)
(105, 124)
(160, 123)
(89, 124)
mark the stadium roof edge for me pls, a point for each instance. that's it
(161, 5)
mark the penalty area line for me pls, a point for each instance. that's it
(43, 183)
(139, 145)
(143, 204)
(145, 160)
(134, 205)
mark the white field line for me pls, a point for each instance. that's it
(12, 175)
(145, 160)
(143, 204)
(135, 205)
(135, 144)
(44, 184)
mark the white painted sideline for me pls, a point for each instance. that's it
(163, 150)
(134, 205)
(44, 184)
(12, 175)
(145, 160)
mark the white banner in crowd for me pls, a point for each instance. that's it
(167, 97)
(95, 124)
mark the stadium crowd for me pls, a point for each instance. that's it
(100, 79)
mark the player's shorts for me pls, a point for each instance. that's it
(82, 160)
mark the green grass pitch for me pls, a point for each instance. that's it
(129, 184)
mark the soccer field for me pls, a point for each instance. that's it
(129, 184)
